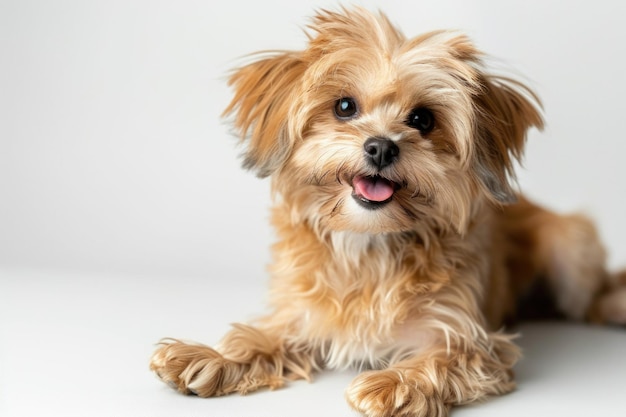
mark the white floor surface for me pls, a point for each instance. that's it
(75, 344)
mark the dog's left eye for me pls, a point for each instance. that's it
(346, 108)
(421, 119)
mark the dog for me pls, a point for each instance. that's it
(403, 246)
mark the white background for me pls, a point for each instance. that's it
(124, 214)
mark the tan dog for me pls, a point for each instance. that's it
(402, 246)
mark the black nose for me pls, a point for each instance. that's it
(380, 152)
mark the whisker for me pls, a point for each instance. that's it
(313, 179)
(338, 171)
(410, 213)
(417, 192)
(339, 203)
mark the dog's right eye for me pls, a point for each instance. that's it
(346, 108)
(421, 119)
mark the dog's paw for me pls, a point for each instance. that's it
(386, 394)
(201, 370)
(195, 369)
(610, 308)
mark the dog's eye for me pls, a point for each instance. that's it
(346, 108)
(421, 119)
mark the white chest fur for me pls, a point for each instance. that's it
(363, 314)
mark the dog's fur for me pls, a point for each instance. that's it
(414, 289)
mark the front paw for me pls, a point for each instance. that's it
(386, 393)
(195, 369)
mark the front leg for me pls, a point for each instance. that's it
(247, 359)
(428, 384)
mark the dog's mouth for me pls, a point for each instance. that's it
(374, 191)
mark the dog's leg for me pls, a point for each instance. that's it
(245, 360)
(428, 384)
(567, 261)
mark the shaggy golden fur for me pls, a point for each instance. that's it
(405, 258)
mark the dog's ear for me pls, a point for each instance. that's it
(263, 94)
(506, 109)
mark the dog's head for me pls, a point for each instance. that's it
(368, 131)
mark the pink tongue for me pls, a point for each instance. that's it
(373, 188)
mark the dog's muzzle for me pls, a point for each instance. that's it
(374, 191)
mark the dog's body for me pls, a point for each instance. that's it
(401, 246)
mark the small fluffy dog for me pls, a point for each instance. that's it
(402, 246)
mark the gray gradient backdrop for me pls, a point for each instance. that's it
(113, 156)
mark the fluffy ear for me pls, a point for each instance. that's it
(264, 91)
(506, 110)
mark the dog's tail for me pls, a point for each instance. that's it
(564, 267)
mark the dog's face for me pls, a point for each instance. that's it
(368, 131)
